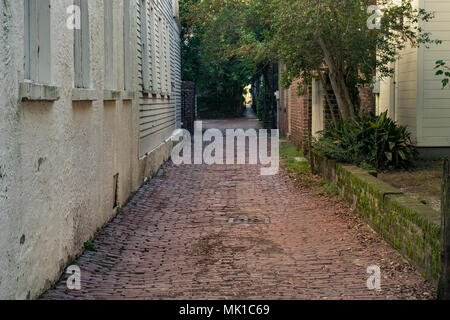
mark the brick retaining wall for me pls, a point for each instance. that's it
(405, 223)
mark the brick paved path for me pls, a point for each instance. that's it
(175, 241)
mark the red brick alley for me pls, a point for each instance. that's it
(226, 232)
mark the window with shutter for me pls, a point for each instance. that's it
(82, 48)
(108, 44)
(37, 41)
(126, 46)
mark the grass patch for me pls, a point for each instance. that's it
(293, 161)
(89, 246)
(290, 155)
(290, 151)
(298, 167)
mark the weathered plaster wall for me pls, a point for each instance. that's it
(58, 159)
(10, 157)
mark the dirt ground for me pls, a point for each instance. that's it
(424, 182)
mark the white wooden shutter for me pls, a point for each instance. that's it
(37, 41)
(108, 17)
(127, 79)
(82, 48)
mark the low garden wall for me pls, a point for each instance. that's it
(405, 223)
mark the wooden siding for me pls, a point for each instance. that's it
(434, 114)
(418, 97)
(406, 90)
(160, 106)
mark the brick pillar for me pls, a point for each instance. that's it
(188, 105)
(301, 116)
(367, 98)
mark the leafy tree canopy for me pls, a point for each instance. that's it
(325, 39)
(215, 49)
(331, 39)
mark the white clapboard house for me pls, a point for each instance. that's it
(414, 96)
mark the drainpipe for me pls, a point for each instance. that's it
(277, 97)
(394, 110)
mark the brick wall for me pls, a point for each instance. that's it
(300, 116)
(405, 223)
(296, 111)
(188, 110)
(367, 98)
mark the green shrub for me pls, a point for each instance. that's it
(259, 101)
(372, 141)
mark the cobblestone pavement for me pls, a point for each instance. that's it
(226, 232)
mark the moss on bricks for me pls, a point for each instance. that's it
(416, 212)
(398, 241)
(405, 223)
(436, 231)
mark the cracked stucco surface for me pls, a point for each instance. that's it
(58, 159)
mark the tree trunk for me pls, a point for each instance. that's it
(444, 281)
(338, 84)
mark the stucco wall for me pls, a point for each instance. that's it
(58, 159)
(10, 157)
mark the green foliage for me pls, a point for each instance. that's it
(89, 246)
(393, 144)
(443, 70)
(259, 102)
(228, 44)
(211, 37)
(289, 151)
(301, 171)
(262, 93)
(369, 141)
(331, 39)
(297, 168)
